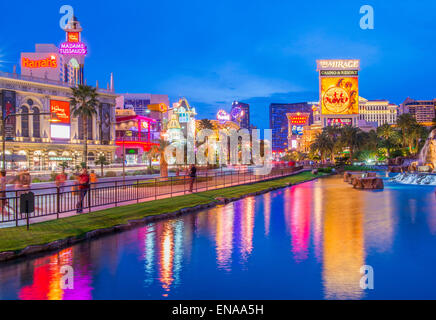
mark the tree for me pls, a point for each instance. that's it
(101, 161)
(163, 144)
(63, 165)
(351, 138)
(405, 123)
(151, 154)
(205, 124)
(385, 131)
(84, 104)
(323, 144)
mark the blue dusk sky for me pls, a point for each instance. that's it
(214, 52)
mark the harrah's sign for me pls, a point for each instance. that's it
(49, 62)
(78, 48)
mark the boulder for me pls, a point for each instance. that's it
(368, 183)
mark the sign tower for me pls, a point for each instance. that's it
(339, 92)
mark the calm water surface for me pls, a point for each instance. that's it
(304, 242)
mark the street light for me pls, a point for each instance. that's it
(3, 121)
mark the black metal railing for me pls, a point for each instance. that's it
(62, 200)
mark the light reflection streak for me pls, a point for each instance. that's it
(247, 226)
(344, 251)
(166, 257)
(224, 237)
(267, 212)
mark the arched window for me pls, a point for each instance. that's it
(36, 123)
(25, 122)
(81, 128)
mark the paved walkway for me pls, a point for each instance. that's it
(106, 197)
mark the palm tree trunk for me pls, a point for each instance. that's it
(101, 170)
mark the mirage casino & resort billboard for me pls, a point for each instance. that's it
(339, 86)
(340, 95)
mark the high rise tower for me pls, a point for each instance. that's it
(73, 52)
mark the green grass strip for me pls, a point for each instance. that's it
(18, 238)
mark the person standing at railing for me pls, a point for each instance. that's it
(61, 178)
(83, 189)
(93, 179)
(193, 176)
(3, 183)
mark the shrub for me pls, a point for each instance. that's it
(325, 170)
(110, 174)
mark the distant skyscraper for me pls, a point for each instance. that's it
(245, 119)
(279, 121)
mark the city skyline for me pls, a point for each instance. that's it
(195, 51)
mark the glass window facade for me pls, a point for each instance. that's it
(279, 121)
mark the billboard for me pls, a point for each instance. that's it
(339, 95)
(41, 65)
(9, 107)
(339, 122)
(297, 130)
(60, 111)
(60, 117)
(105, 117)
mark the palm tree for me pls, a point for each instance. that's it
(84, 104)
(163, 144)
(101, 161)
(406, 122)
(323, 145)
(63, 165)
(151, 154)
(385, 131)
(205, 124)
(351, 138)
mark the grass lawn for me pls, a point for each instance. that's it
(18, 238)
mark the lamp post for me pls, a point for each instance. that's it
(3, 122)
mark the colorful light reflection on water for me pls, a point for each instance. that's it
(304, 242)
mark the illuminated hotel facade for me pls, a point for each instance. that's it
(379, 112)
(42, 133)
(34, 141)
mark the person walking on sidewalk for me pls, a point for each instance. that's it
(193, 176)
(83, 189)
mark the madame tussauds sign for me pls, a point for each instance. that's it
(73, 48)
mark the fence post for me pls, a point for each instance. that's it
(16, 208)
(171, 187)
(155, 189)
(89, 198)
(184, 184)
(116, 193)
(137, 191)
(207, 181)
(58, 201)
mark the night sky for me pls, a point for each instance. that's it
(214, 52)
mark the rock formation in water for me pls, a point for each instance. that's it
(427, 155)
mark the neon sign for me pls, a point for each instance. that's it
(78, 48)
(73, 37)
(62, 111)
(50, 62)
(222, 116)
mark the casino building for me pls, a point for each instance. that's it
(40, 129)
